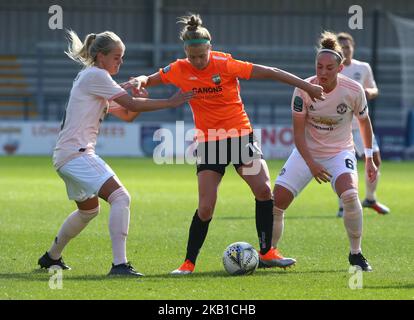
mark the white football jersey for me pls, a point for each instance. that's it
(328, 123)
(361, 72)
(91, 92)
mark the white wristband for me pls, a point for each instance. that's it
(368, 152)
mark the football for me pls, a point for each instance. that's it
(240, 258)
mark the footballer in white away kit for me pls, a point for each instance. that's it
(85, 174)
(362, 73)
(324, 146)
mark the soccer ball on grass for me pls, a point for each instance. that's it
(240, 258)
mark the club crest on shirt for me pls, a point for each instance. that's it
(216, 79)
(341, 109)
(312, 108)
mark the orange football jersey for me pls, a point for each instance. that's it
(217, 107)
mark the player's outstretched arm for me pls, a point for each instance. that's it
(264, 72)
(123, 113)
(145, 104)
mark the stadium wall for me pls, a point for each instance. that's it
(166, 142)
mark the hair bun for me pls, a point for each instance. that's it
(194, 22)
(328, 43)
(193, 28)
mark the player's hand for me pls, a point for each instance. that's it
(371, 169)
(138, 82)
(320, 173)
(180, 97)
(316, 92)
(141, 92)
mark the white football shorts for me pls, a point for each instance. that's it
(359, 144)
(295, 174)
(84, 176)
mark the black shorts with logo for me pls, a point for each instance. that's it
(217, 155)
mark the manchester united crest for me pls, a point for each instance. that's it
(341, 109)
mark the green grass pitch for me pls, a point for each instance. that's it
(33, 205)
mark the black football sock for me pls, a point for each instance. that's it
(264, 224)
(197, 235)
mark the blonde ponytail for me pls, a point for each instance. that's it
(78, 51)
(85, 53)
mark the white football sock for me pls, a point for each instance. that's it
(72, 226)
(119, 223)
(278, 225)
(353, 219)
